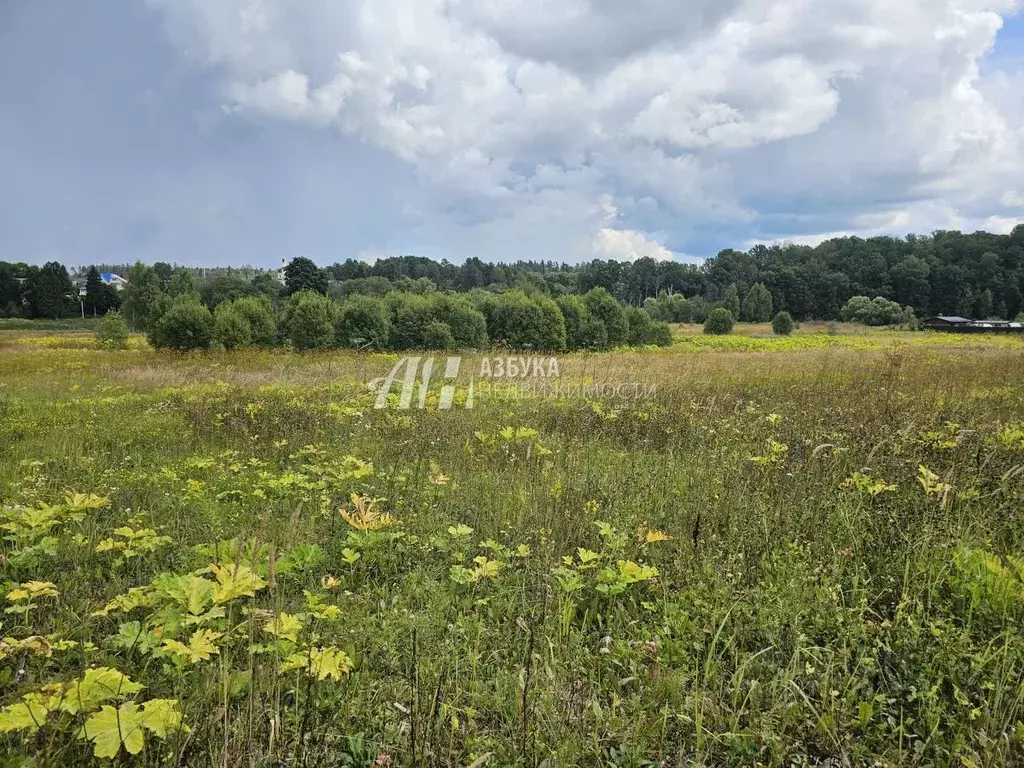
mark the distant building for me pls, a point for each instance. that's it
(280, 273)
(116, 281)
(963, 325)
(946, 322)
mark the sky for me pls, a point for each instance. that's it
(243, 132)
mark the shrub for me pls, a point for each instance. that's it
(782, 324)
(582, 329)
(231, 329)
(521, 322)
(604, 307)
(719, 322)
(1019, 318)
(259, 312)
(438, 335)
(410, 315)
(309, 320)
(363, 322)
(467, 325)
(113, 331)
(187, 324)
(877, 311)
(644, 331)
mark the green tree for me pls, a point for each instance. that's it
(731, 301)
(363, 321)
(467, 324)
(309, 320)
(142, 297)
(983, 305)
(782, 324)
(186, 324)
(604, 307)
(100, 298)
(521, 322)
(260, 314)
(438, 335)
(112, 332)
(757, 305)
(643, 331)
(183, 282)
(231, 328)
(719, 322)
(51, 291)
(302, 274)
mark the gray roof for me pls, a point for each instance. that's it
(952, 319)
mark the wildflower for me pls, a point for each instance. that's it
(330, 582)
(439, 479)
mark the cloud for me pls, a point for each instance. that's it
(629, 245)
(526, 119)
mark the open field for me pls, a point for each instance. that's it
(792, 551)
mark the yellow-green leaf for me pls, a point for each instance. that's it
(97, 686)
(110, 729)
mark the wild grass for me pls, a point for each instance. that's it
(792, 554)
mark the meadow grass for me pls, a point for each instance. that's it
(796, 551)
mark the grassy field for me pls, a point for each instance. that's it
(800, 551)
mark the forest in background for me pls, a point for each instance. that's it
(978, 275)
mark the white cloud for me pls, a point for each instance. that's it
(629, 245)
(529, 119)
(1012, 199)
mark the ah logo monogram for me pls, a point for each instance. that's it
(409, 384)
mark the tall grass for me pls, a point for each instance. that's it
(780, 559)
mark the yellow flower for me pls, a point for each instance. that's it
(439, 479)
(330, 582)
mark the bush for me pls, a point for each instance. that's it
(877, 311)
(363, 322)
(719, 322)
(410, 316)
(644, 331)
(521, 322)
(782, 324)
(1019, 318)
(438, 335)
(259, 312)
(467, 325)
(309, 320)
(187, 324)
(604, 307)
(231, 329)
(112, 332)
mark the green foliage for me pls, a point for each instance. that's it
(582, 329)
(303, 275)
(142, 306)
(308, 321)
(112, 332)
(438, 335)
(51, 292)
(467, 324)
(782, 324)
(259, 313)
(719, 322)
(757, 305)
(877, 311)
(522, 322)
(186, 325)
(731, 301)
(231, 328)
(607, 310)
(644, 331)
(363, 322)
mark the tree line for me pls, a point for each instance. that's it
(978, 275)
